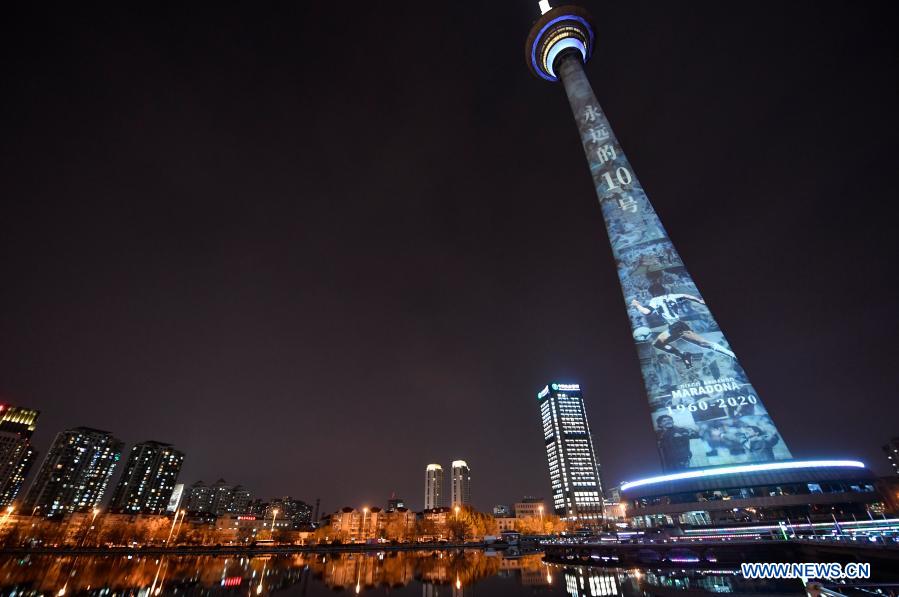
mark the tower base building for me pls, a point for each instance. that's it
(816, 491)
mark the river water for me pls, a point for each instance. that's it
(448, 573)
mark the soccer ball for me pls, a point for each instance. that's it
(642, 334)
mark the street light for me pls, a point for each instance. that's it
(364, 514)
(274, 515)
(95, 511)
(172, 530)
(9, 511)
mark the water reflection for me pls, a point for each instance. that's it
(426, 573)
(581, 581)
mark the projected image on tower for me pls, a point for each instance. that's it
(704, 410)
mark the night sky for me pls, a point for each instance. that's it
(318, 246)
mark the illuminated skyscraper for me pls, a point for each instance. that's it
(149, 479)
(573, 468)
(704, 410)
(433, 486)
(75, 474)
(16, 452)
(461, 487)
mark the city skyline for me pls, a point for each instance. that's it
(192, 261)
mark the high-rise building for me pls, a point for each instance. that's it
(75, 474)
(461, 487)
(298, 512)
(704, 410)
(433, 486)
(573, 467)
(891, 449)
(16, 452)
(218, 499)
(240, 500)
(199, 498)
(149, 479)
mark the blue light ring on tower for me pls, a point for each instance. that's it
(552, 32)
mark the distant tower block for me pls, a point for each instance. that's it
(461, 488)
(433, 486)
(704, 410)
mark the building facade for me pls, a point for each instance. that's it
(17, 455)
(507, 523)
(891, 449)
(245, 528)
(530, 507)
(433, 486)
(352, 525)
(573, 467)
(218, 499)
(75, 474)
(148, 482)
(461, 487)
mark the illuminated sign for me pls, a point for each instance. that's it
(175, 500)
(745, 468)
(543, 392)
(704, 410)
(566, 387)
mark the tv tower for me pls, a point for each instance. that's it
(704, 410)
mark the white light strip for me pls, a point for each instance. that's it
(743, 468)
(796, 525)
(564, 44)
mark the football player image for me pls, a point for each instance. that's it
(668, 307)
(674, 443)
(759, 444)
